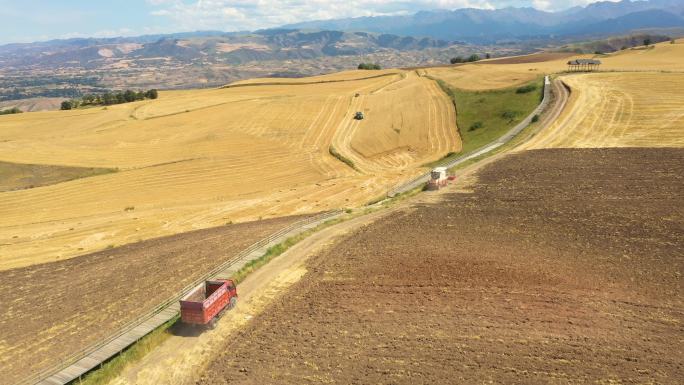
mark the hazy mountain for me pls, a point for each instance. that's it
(208, 46)
(479, 25)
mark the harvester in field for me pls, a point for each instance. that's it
(208, 302)
(438, 178)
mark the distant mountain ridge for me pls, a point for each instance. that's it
(486, 26)
(232, 48)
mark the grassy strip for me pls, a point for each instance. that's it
(342, 158)
(484, 116)
(280, 248)
(115, 366)
(526, 134)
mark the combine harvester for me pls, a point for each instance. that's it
(439, 178)
(207, 303)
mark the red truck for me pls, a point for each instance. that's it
(206, 304)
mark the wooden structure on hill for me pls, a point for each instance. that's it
(584, 65)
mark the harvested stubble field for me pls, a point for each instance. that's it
(55, 309)
(508, 72)
(567, 273)
(201, 158)
(619, 110)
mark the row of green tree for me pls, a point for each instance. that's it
(109, 98)
(369, 66)
(9, 111)
(472, 58)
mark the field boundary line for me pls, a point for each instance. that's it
(79, 363)
(505, 138)
(307, 83)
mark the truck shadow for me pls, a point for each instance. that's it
(181, 329)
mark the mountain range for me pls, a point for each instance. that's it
(73, 67)
(487, 26)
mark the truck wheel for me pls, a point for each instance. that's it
(232, 303)
(212, 324)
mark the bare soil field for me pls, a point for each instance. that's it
(201, 158)
(533, 58)
(619, 110)
(52, 310)
(17, 176)
(566, 273)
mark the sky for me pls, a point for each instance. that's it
(38, 20)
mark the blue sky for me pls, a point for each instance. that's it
(36, 20)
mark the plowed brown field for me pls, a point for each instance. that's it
(561, 266)
(201, 158)
(52, 310)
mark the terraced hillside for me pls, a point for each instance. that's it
(194, 159)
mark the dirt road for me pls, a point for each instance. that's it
(183, 356)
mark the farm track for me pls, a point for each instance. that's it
(179, 359)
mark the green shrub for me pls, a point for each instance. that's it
(509, 115)
(475, 126)
(526, 89)
(535, 118)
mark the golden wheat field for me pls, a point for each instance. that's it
(195, 159)
(662, 57)
(619, 110)
(334, 77)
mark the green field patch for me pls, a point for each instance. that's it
(484, 116)
(21, 176)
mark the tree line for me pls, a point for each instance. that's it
(9, 111)
(472, 58)
(109, 98)
(369, 66)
